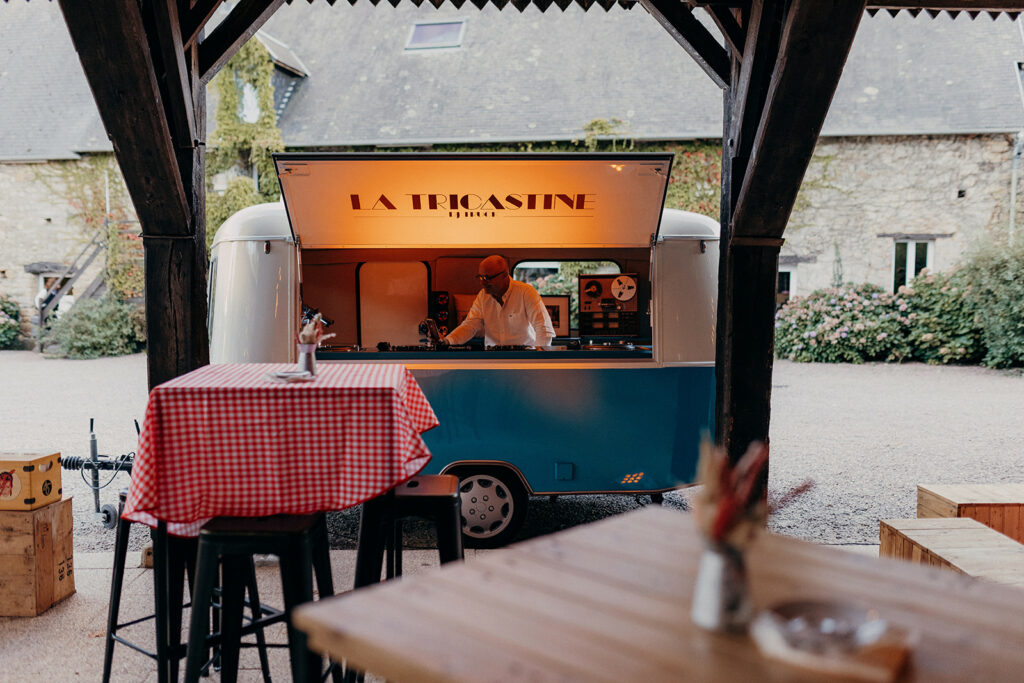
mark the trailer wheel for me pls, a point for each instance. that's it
(493, 505)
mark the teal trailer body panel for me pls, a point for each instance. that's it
(574, 430)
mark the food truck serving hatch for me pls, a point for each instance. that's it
(473, 200)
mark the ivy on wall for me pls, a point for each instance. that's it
(99, 201)
(239, 144)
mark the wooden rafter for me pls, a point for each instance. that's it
(680, 23)
(244, 20)
(732, 32)
(781, 89)
(750, 88)
(936, 5)
(178, 89)
(194, 19)
(956, 5)
(113, 33)
(815, 43)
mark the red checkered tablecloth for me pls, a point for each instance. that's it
(231, 440)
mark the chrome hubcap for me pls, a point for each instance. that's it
(487, 506)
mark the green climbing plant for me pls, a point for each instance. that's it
(612, 130)
(237, 143)
(95, 190)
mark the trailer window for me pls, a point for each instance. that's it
(561, 278)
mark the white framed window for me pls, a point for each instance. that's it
(910, 257)
(785, 285)
(249, 104)
(430, 35)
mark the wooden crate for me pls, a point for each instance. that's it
(1000, 506)
(29, 480)
(962, 544)
(36, 559)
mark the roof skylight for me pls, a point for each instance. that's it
(428, 35)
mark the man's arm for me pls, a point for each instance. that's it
(471, 326)
(539, 318)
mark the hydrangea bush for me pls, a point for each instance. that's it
(10, 323)
(848, 324)
(995, 273)
(945, 329)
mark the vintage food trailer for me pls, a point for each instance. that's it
(378, 243)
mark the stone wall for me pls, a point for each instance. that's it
(36, 224)
(859, 193)
(863, 193)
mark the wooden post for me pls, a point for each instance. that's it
(157, 141)
(746, 365)
(746, 391)
(780, 91)
(176, 266)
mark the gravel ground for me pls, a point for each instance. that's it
(866, 435)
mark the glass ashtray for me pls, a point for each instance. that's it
(823, 627)
(833, 638)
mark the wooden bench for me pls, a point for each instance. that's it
(1000, 506)
(962, 544)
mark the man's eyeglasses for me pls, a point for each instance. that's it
(489, 278)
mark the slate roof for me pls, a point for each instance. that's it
(46, 108)
(523, 76)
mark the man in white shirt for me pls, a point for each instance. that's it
(507, 311)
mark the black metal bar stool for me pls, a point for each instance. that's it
(182, 556)
(300, 542)
(434, 497)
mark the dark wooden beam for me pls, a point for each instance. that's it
(815, 43)
(176, 269)
(193, 21)
(245, 19)
(744, 409)
(746, 276)
(731, 30)
(966, 5)
(177, 88)
(935, 5)
(109, 34)
(175, 315)
(763, 24)
(698, 42)
(806, 43)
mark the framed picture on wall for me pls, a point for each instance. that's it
(558, 309)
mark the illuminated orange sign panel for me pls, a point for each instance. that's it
(423, 200)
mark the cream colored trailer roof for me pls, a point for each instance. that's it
(427, 200)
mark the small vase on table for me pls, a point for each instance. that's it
(721, 598)
(307, 358)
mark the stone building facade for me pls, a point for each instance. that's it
(914, 165)
(863, 196)
(37, 224)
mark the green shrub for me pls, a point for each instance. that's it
(104, 327)
(944, 329)
(10, 325)
(994, 277)
(848, 324)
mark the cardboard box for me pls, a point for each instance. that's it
(29, 480)
(36, 558)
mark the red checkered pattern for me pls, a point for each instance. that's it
(229, 440)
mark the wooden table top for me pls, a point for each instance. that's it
(990, 494)
(611, 601)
